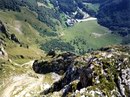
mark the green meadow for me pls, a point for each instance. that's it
(89, 35)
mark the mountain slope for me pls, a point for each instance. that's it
(9, 4)
(20, 39)
(114, 14)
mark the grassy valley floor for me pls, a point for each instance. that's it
(89, 35)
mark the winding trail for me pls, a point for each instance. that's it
(20, 86)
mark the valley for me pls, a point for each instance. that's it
(84, 36)
(64, 48)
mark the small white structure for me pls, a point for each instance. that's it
(70, 22)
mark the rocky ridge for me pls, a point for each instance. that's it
(102, 73)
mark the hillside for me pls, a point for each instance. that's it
(114, 14)
(9, 4)
(19, 37)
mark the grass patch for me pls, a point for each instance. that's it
(22, 26)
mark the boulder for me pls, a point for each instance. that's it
(14, 38)
(51, 53)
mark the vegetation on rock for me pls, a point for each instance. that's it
(102, 72)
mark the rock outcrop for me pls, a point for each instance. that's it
(3, 53)
(59, 64)
(3, 29)
(101, 73)
(12, 37)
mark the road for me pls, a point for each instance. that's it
(87, 19)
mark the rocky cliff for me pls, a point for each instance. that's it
(102, 73)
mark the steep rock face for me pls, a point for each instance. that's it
(103, 73)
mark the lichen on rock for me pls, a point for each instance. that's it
(105, 72)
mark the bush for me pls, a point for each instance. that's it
(57, 45)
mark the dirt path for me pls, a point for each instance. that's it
(27, 84)
(18, 27)
(97, 35)
(22, 86)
